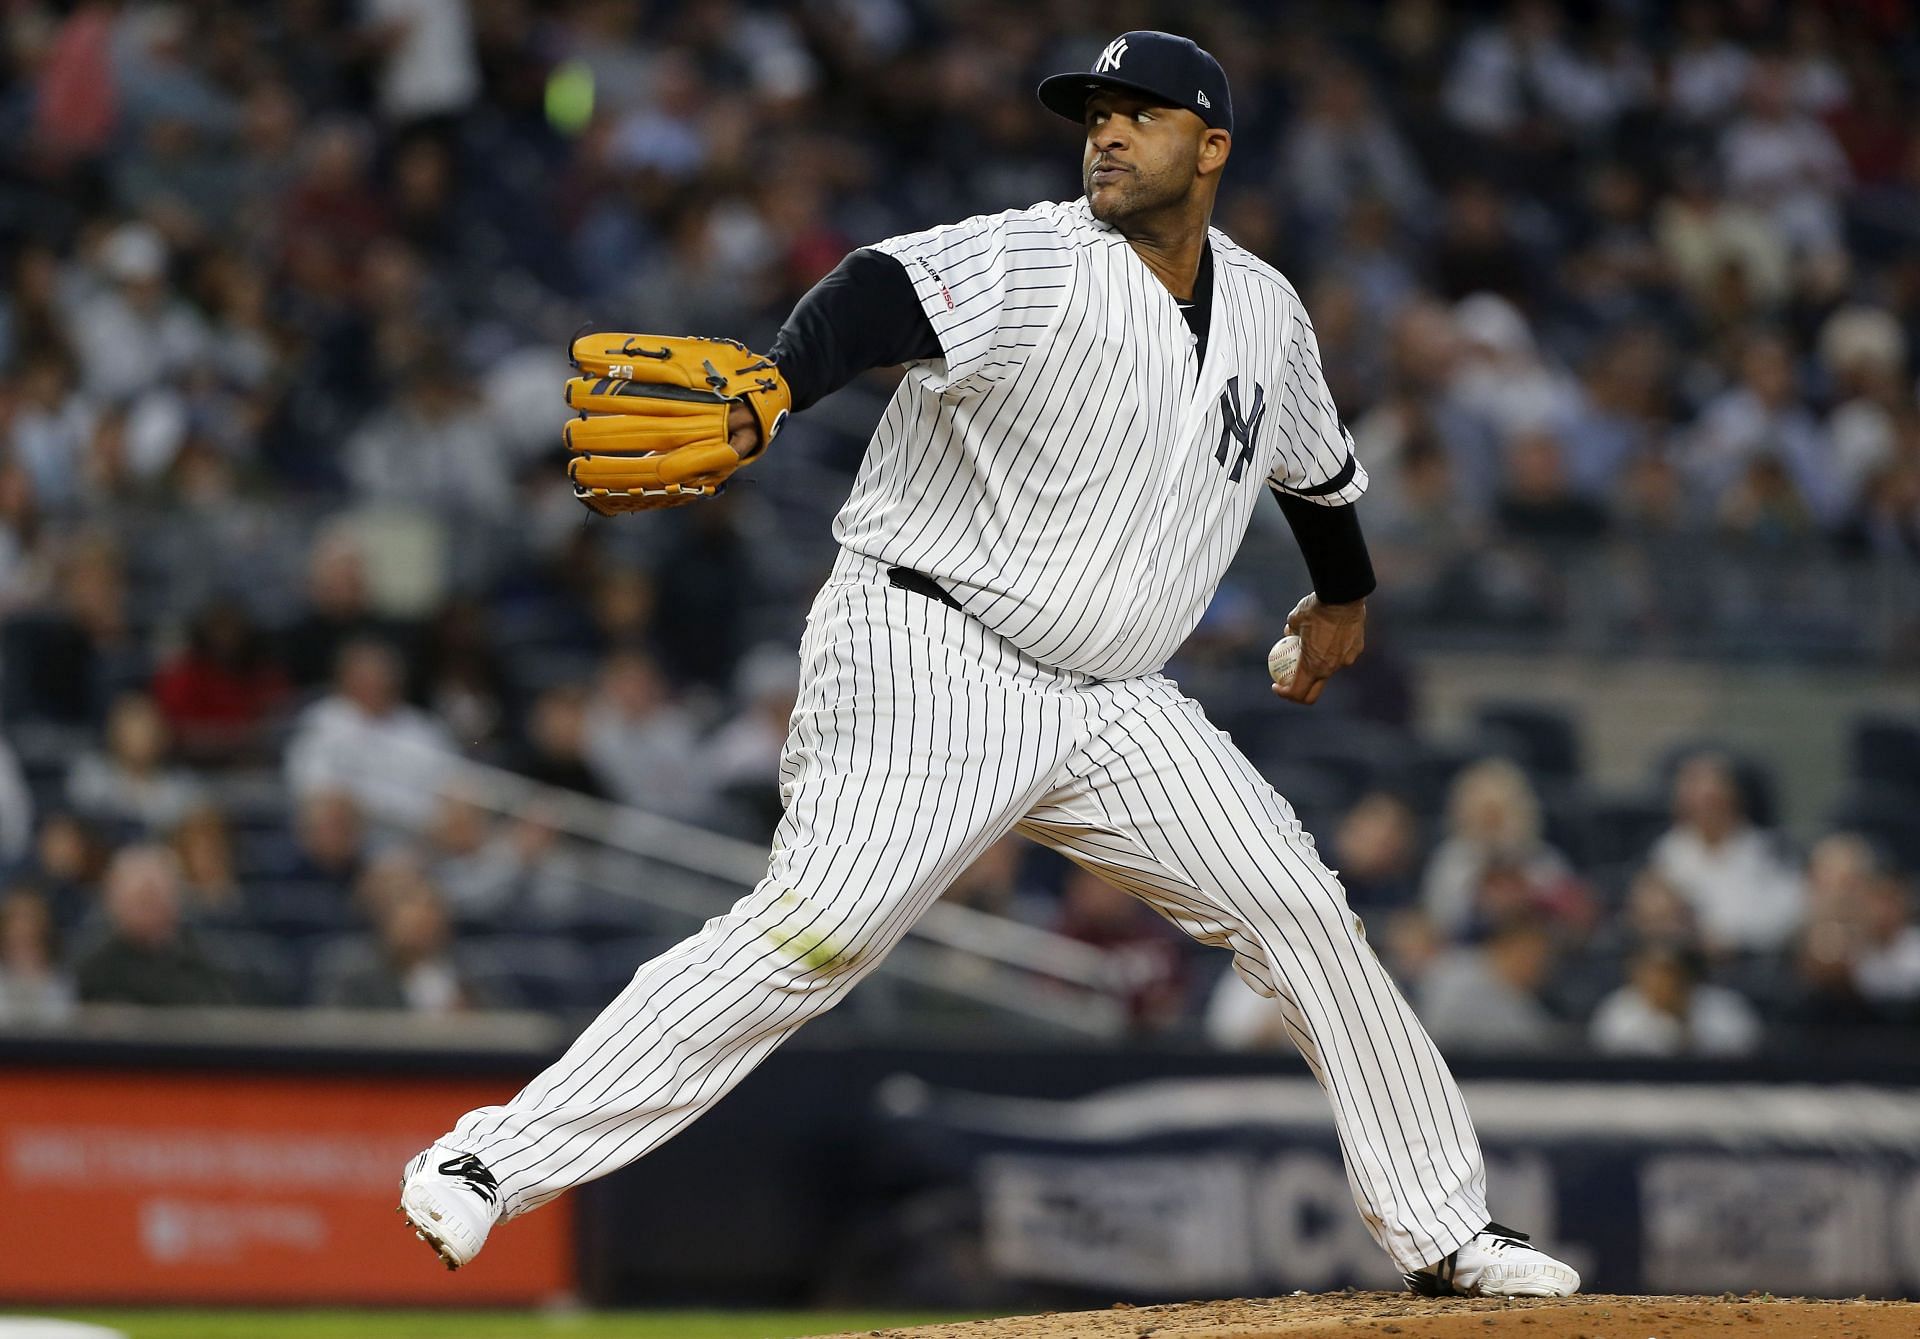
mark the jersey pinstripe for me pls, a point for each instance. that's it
(1071, 472)
(1078, 480)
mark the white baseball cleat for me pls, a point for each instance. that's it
(1497, 1262)
(450, 1199)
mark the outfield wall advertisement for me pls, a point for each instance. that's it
(1224, 1187)
(149, 1187)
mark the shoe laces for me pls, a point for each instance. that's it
(474, 1172)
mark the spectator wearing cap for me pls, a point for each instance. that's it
(1665, 1009)
(1863, 352)
(133, 333)
(146, 958)
(1501, 373)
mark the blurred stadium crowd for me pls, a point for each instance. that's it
(1620, 300)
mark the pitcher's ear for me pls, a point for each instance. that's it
(1215, 146)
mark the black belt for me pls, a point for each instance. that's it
(921, 584)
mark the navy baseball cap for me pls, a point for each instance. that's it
(1170, 69)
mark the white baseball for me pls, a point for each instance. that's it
(1283, 659)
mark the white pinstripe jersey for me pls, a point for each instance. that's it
(1071, 472)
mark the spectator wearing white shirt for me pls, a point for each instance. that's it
(639, 741)
(133, 333)
(1747, 898)
(1764, 422)
(132, 782)
(1706, 73)
(1864, 353)
(430, 65)
(362, 739)
(434, 445)
(1502, 375)
(51, 429)
(34, 988)
(1886, 967)
(1488, 998)
(1664, 1009)
(1786, 163)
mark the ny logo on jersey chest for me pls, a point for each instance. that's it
(1236, 427)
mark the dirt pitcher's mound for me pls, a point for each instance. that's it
(1352, 1315)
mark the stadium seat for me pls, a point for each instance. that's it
(264, 970)
(550, 973)
(299, 910)
(1884, 748)
(1541, 738)
(1566, 818)
(1888, 816)
(616, 960)
(1622, 829)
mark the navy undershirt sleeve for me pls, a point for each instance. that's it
(863, 315)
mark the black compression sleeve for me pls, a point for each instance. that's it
(863, 315)
(1335, 550)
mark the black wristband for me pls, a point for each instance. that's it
(1335, 550)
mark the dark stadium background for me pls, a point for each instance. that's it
(306, 653)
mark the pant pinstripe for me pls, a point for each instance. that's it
(919, 739)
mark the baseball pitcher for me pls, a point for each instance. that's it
(1097, 394)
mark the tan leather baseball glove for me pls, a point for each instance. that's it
(652, 427)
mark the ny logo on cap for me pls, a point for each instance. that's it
(1110, 58)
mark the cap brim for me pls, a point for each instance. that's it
(1066, 94)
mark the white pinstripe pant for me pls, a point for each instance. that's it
(919, 739)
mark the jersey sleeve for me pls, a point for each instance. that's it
(991, 286)
(1315, 451)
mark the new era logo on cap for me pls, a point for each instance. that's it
(1201, 98)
